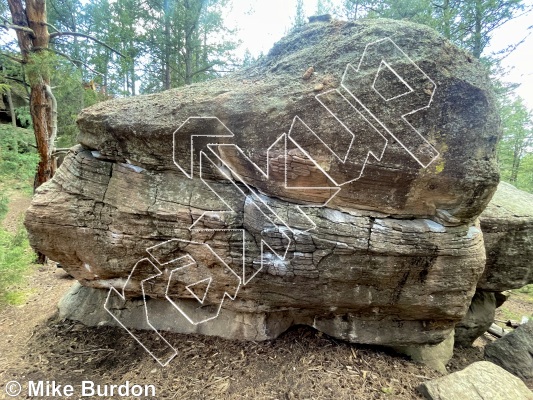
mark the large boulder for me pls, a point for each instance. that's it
(507, 225)
(514, 351)
(336, 184)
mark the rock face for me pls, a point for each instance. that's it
(478, 319)
(342, 196)
(481, 380)
(514, 351)
(507, 225)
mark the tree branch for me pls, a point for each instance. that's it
(52, 26)
(17, 80)
(512, 47)
(77, 63)
(203, 69)
(19, 60)
(58, 34)
(8, 25)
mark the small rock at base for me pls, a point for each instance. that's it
(434, 356)
(514, 351)
(481, 380)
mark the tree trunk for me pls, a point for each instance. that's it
(40, 102)
(132, 76)
(19, 18)
(446, 15)
(166, 47)
(517, 155)
(477, 49)
(41, 98)
(11, 108)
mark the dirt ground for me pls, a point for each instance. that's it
(18, 204)
(302, 364)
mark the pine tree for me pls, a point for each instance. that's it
(299, 18)
(517, 140)
(323, 7)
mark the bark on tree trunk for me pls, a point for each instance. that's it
(41, 102)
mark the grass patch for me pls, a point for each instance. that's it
(16, 258)
(524, 293)
(18, 163)
(4, 200)
(509, 315)
(528, 289)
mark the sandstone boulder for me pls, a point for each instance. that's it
(413, 113)
(342, 196)
(507, 225)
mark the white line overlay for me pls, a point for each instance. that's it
(396, 94)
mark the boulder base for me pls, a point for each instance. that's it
(84, 304)
(436, 356)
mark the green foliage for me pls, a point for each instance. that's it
(12, 76)
(355, 9)
(39, 66)
(248, 59)
(324, 7)
(24, 116)
(299, 17)
(479, 18)
(419, 11)
(515, 150)
(4, 88)
(16, 258)
(18, 161)
(71, 98)
(467, 23)
(528, 289)
(197, 28)
(4, 200)
(18, 158)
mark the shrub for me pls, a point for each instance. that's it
(18, 156)
(4, 200)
